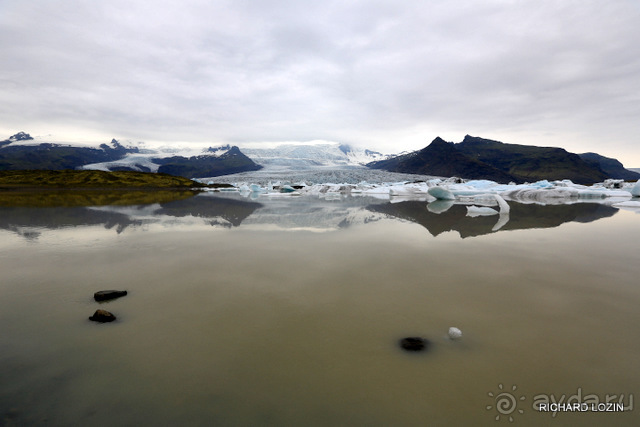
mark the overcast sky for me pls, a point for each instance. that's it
(386, 75)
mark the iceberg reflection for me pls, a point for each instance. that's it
(228, 210)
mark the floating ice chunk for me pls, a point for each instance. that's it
(474, 211)
(635, 191)
(481, 184)
(377, 190)
(287, 189)
(406, 190)
(441, 193)
(541, 184)
(455, 333)
(255, 188)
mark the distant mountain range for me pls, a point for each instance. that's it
(20, 151)
(473, 158)
(479, 158)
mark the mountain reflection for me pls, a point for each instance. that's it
(29, 214)
(29, 217)
(447, 216)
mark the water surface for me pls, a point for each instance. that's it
(288, 311)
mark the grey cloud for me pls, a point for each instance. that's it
(379, 73)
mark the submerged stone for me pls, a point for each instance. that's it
(107, 295)
(102, 316)
(414, 344)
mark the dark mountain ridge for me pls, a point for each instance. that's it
(532, 163)
(233, 161)
(441, 158)
(479, 158)
(611, 167)
(55, 156)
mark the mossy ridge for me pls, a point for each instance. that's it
(92, 179)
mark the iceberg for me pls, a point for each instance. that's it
(474, 210)
(441, 193)
(635, 190)
(287, 189)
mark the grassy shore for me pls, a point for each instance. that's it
(68, 188)
(81, 179)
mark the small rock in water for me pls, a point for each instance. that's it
(455, 333)
(107, 295)
(414, 344)
(102, 316)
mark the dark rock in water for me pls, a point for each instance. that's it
(102, 316)
(414, 344)
(107, 295)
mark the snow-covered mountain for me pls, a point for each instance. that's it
(147, 160)
(21, 151)
(187, 162)
(312, 156)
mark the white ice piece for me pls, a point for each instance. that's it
(455, 333)
(635, 191)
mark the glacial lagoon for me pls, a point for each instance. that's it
(287, 311)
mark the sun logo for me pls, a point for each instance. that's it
(505, 402)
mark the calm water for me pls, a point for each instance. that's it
(287, 312)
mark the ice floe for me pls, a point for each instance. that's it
(481, 194)
(635, 190)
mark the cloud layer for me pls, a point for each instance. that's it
(387, 75)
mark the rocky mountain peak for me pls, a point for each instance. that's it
(20, 136)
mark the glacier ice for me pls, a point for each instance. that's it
(441, 193)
